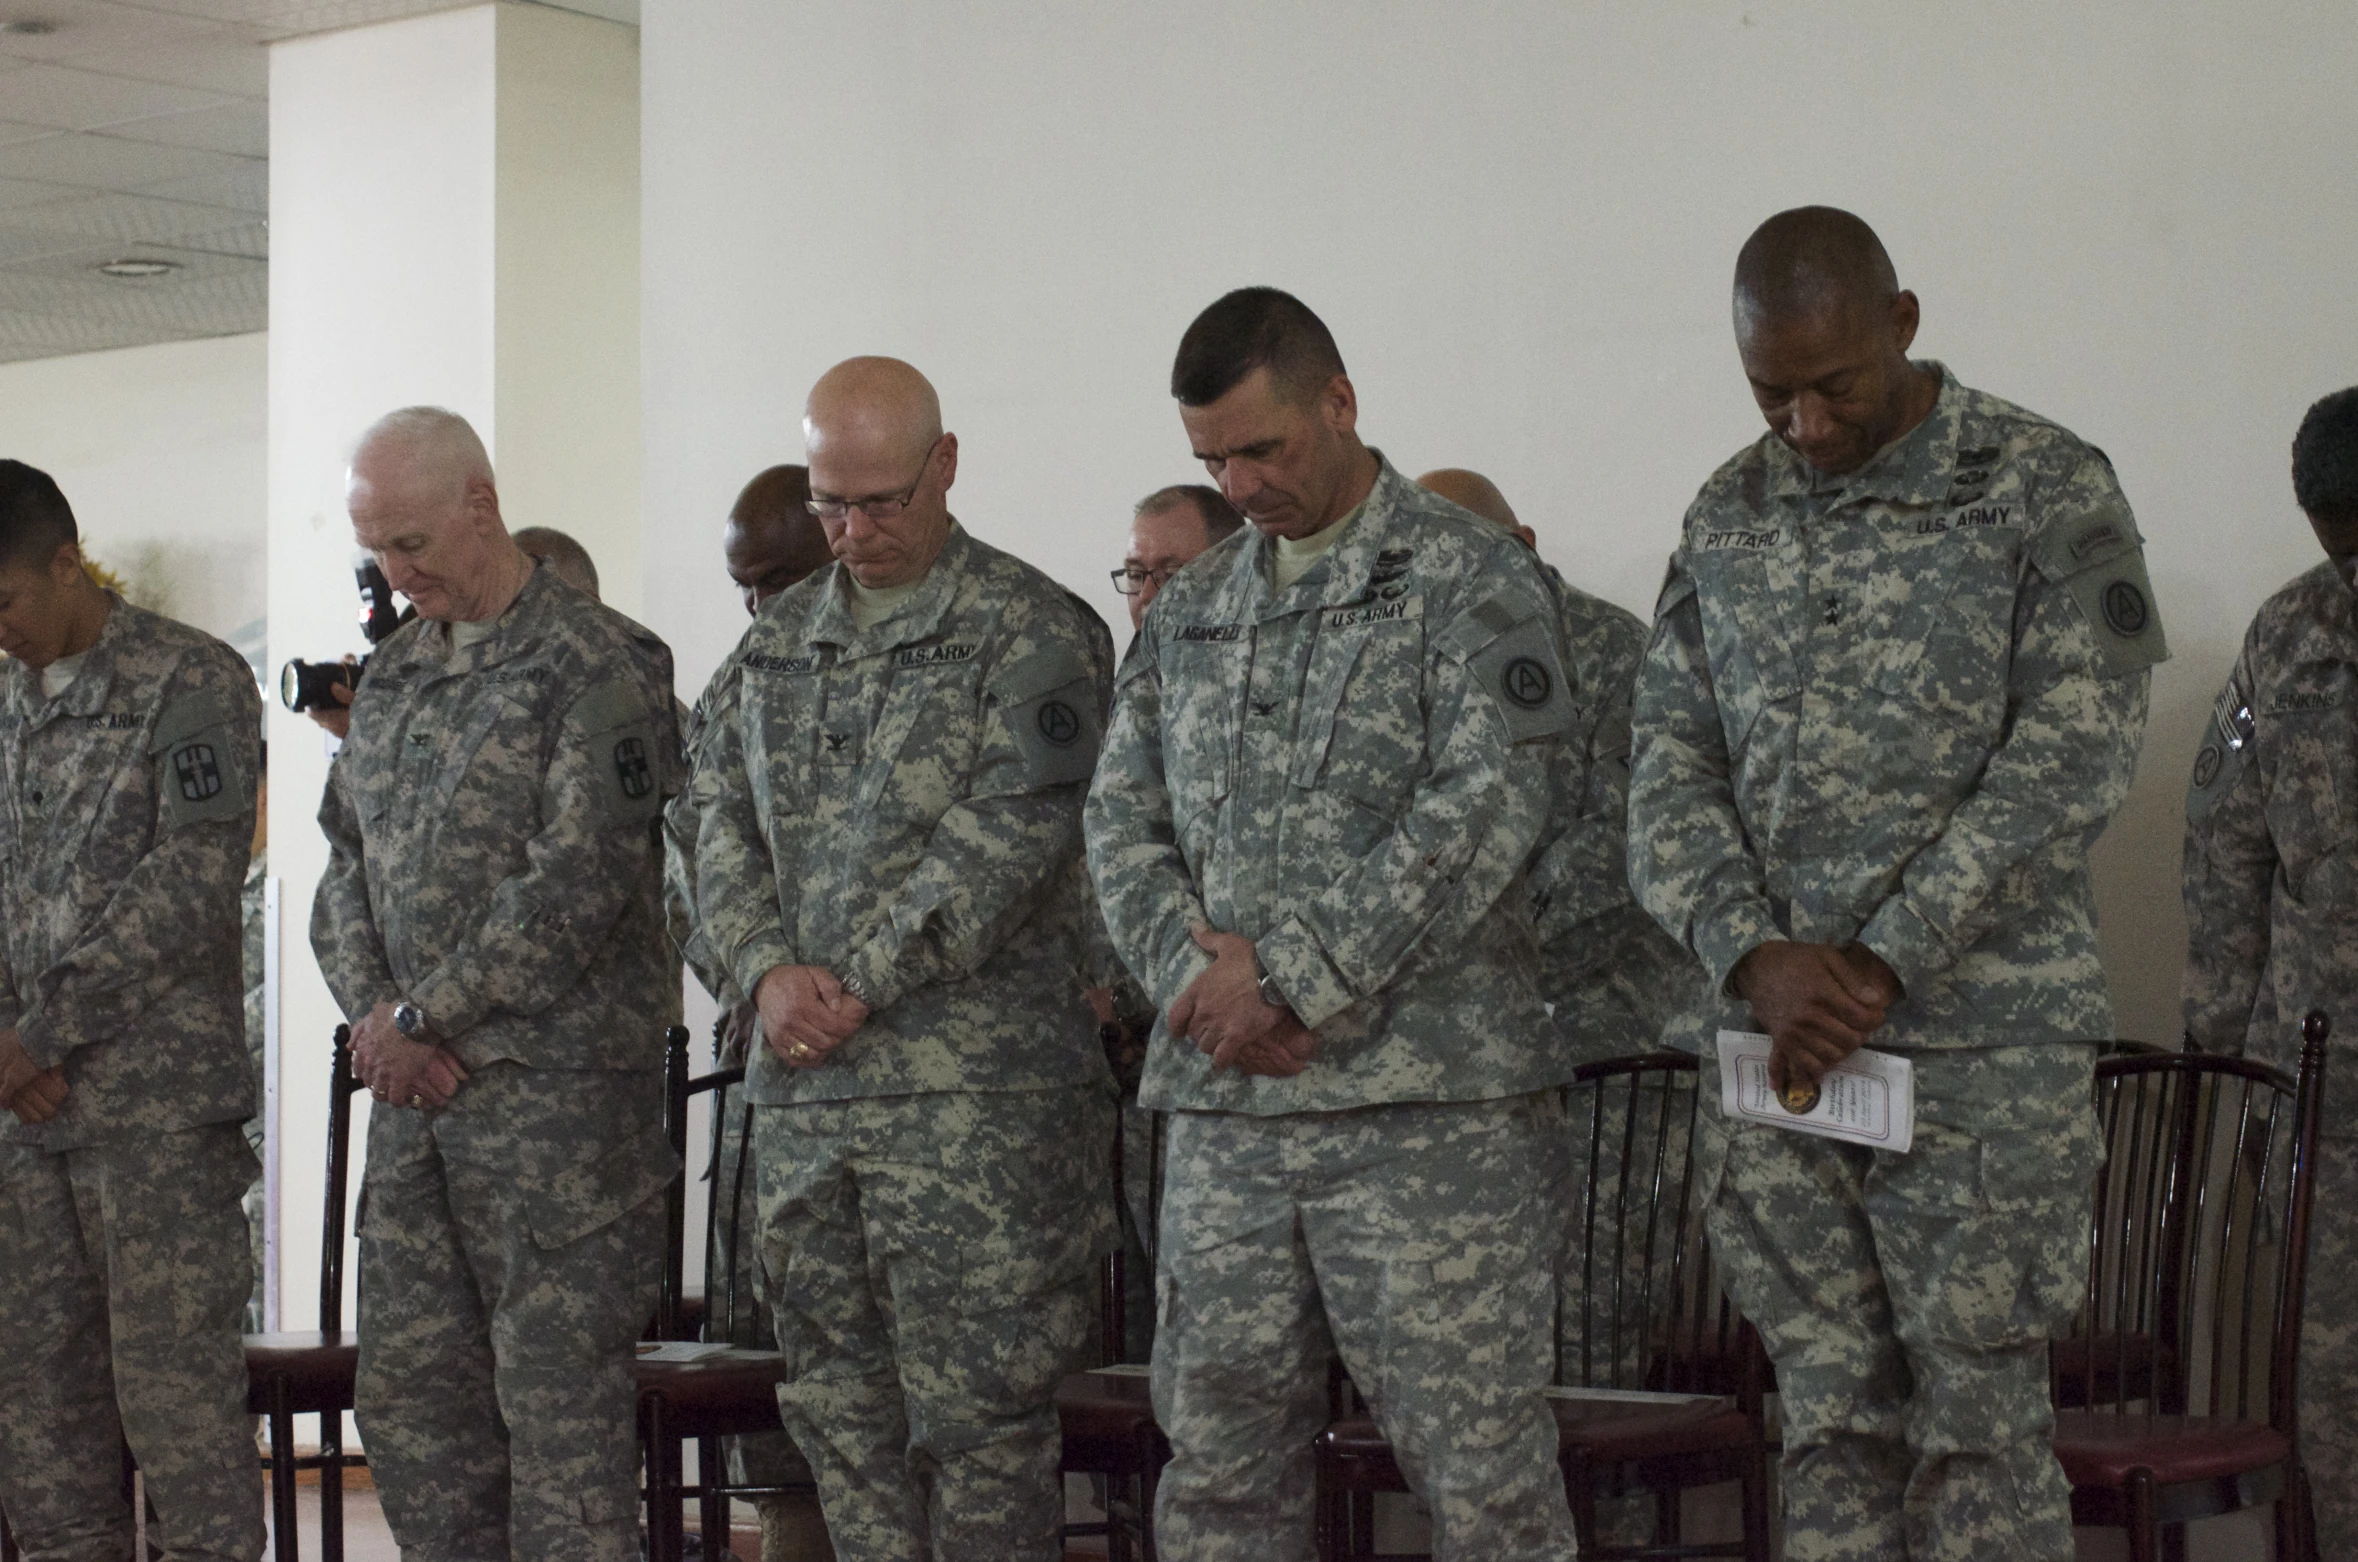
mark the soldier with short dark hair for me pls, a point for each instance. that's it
(2272, 906)
(129, 747)
(1895, 690)
(1327, 770)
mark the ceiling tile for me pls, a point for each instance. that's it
(246, 187)
(106, 162)
(213, 60)
(19, 192)
(83, 27)
(72, 99)
(241, 129)
(122, 219)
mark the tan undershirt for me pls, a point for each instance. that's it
(1295, 555)
(873, 604)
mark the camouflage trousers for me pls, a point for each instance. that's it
(1420, 1241)
(792, 1530)
(2329, 1350)
(1142, 1134)
(509, 1260)
(120, 1292)
(1907, 1301)
(931, 1262)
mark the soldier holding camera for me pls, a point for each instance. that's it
(491, 920)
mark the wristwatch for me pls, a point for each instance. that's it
(1268, 985)
(409, 1019)
(858, 989)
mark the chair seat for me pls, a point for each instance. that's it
(1602, 1432)
(318, 1370)
(1104, 1417)
(2098, 1448)
(719, 1397)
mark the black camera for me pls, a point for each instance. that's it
(304, 685)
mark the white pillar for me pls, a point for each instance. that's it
(454, 220)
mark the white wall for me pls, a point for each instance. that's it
(454, 221)
(161, 452)
(1519, 219)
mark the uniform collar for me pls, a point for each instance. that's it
(1913, 469)
(1340, 575)
(86, 695)
(919, 615)
(514, 633)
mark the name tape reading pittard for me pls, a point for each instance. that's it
(1868, 1098)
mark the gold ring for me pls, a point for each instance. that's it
(416, 1099)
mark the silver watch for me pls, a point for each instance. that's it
(409, 1019)
(858, 989)
(1268, 985)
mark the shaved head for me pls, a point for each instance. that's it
(1823, 328)
(772, 540)
(1472, 491)
(881, 463)
(1812, 263)
(881, 402)
(562, 553)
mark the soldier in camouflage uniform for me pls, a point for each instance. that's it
(1169, 529)
(890, 788)
(1896, 687)
(1328, 766)
(491, 921)
(127, 759)
(772, 541)
(2272, 908)
(1610, 976)
(252, 902)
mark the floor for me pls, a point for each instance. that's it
(2239, 1538)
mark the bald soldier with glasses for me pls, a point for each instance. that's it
(890, 794)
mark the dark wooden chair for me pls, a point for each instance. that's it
(722, 1396)
(2176, 1387)
(311, 1373)
(1107, 1416)
(1660, 1384)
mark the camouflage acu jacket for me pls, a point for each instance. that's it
(495, 852)
(901, 805)
(129, 815)
(1898, 706)
(679, 866)
(1353, 773)
(2272, 839)
(1611, 977)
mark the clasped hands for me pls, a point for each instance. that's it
(35, 1094)
(1818, 1002)
(1223, 1013)
(402, 1070)
(806, 1013)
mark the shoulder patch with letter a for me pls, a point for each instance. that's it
(1516, 662)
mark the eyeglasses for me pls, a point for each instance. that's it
(877, 507)
(1129, 580)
